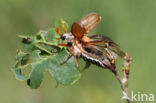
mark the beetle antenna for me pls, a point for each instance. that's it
(58, 31)
(63, 27)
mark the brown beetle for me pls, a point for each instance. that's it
(97, 49)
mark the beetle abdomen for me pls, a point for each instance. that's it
(92, 60)
(102, 62)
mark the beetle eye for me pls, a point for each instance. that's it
(63, 37)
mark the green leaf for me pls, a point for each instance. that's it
(28, 43)
(42, 54)
(35, 56)
(52, 36)
(66, 74)
(20, 55)
(36, 75)
(48, 40)
(59, 24)
(19, 75)
(21, 58)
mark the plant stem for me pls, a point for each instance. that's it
(123, 86)
(124, 81)
(47, 43)
(43, 49)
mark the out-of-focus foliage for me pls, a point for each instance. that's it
(130, 23)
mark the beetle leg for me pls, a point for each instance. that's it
(62, 44)
(58, 31)
(69, 55)
(76, 61)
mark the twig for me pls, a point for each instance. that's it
(124, 81)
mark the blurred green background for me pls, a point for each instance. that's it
(131, 23)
